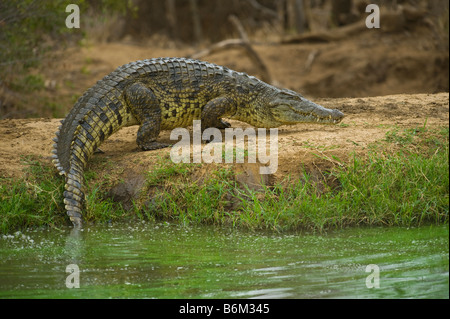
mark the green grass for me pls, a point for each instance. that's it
(37, 199)
(401, 181)
(34, 200)
(188, 201)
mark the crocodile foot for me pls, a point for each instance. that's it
(223, 124)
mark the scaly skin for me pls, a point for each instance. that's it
(163, 94)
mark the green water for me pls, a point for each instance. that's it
(164, 261)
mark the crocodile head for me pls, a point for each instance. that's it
(289, 107)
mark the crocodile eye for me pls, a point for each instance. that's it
(291, 95)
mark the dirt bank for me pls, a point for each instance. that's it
(367, 120)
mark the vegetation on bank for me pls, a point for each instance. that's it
(402, 181)
(35, 32)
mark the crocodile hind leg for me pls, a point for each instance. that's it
(145, 107)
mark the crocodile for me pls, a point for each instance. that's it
(162, 94)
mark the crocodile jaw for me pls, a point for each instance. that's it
(292, 108)
(312, 113)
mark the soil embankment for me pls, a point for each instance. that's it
(304, 145)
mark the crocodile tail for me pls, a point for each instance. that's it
(95, 125)
(98, 114)
(97, 122)
(73, 195)
(74, 198)
(65, 133)
(55, 158)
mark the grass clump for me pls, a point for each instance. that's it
(403, 181)
(34, 200)
(404, 186)
(37, 199)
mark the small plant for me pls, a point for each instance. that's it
(167, 169)
(406, 136)
(34, 200)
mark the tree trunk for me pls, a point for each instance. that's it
(296, 17)
(340, 11)
(198, 34)
(171, 16)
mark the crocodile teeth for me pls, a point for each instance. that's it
(55, 139)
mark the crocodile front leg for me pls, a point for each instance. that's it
(214, 110)
(146, 109)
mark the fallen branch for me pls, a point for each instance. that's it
(236, 44)
(393, 21)
(327, 36)
(239, 27)
(242, 43)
